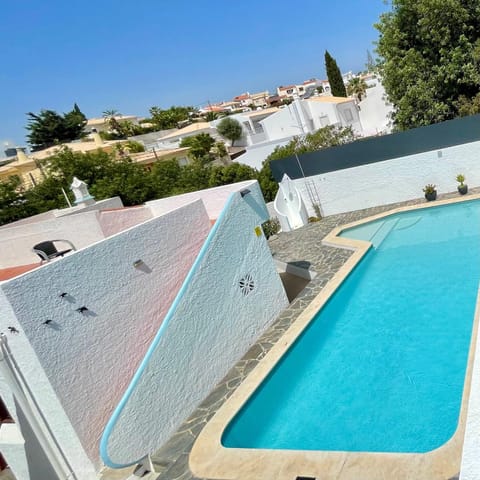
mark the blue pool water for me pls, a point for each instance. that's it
(381, 367)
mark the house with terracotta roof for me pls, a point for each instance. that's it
(298, 90)
(259, 99)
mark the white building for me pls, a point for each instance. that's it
(84, 335)
(252, 127)
(307, 116)
(297, 119)
(375, 110)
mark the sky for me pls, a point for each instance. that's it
(130, 55)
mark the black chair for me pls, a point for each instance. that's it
(48, 251)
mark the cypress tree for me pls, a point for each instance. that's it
(337, 87)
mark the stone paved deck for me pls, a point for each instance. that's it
(301, 247)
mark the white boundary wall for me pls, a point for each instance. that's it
(391, 181)
(79, 366)
(214, 199)
(211, 324)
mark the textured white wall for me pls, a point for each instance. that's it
(392, 181)
(115, 221)
(211, 327)
(213, 198)
(16, 242)
(44, 395)
(375, 111)
(322, 109)
(282, 124)
(89, 359)
(114, 202)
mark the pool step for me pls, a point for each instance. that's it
(380, 235)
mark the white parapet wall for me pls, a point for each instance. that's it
(213, 198)
(391, 181)
(16, 242)
(78, 365)
(230, 296)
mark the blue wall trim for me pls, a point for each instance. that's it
(131, 387)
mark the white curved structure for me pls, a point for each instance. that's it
(289, 206)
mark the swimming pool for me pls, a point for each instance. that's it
(381, 367)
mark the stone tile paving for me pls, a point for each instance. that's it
(301, 247)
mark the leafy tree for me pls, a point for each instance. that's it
(165, 176)
(129, 181)
(50, 128)
(267, 183)
(357, 87)
(200, 145)
(337, 87)
(329, 136)
(106, 175)
(75, 122)
(230, 129)
(466, 106)
(165, 119)
(109, 113)
(235, 172)
(211, 116)
(195, 176)
(12, 202)
(429, 59)
(220, 150)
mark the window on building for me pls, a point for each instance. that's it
(247, 127)
(323, 121)
(348, 115)
(290, 91)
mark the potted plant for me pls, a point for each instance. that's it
(430, 192)
(462, 188)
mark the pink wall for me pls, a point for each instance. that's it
(115, 221)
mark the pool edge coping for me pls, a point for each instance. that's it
(210, 459)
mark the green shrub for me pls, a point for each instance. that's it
(271, 227)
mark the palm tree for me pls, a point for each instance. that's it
(110, 113)
(357, 88)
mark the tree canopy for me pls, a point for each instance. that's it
(429, 58)
(329, 136)
(200, 145)
(357, 87)
(335, 79)
(170, 118)
(108, 175)
(49, 128)
(230, 129)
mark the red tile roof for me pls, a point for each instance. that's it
(11, 272)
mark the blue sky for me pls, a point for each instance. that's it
(131, 55)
